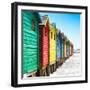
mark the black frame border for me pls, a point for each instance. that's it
(14, 43)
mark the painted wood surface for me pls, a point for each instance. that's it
(44, 41)
(30, 41)
(68, 48)
(65, 55)
(62, 45)
(52, 47)
(58, 46)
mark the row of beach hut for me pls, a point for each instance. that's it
(45, 48)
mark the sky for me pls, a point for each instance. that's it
(68, 23)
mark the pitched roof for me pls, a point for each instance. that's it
(44, 20)
(52, 25)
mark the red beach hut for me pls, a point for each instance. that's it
(44, 45)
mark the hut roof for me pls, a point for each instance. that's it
(58, 31)
(37, 16)
(52, 25)
(44, 20)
